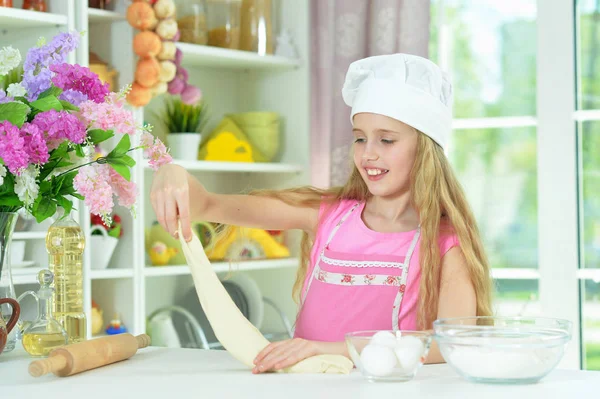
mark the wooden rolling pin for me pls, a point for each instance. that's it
(82, 356)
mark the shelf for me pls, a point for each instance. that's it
(110, 273)
(11, 17)
(249, 167)
(209, 56)
(25, 275)
(221, 267)
(96, 16)
(29, 235)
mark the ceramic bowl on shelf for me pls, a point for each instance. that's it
(509, 350)
(388, 355)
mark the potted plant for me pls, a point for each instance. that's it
(184, 125)
(104, 240)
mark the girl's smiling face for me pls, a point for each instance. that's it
(384, 153)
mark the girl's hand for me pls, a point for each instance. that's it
(170, 197)
(279, 355)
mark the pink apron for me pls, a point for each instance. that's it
(353, 292)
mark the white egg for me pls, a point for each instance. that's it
(378, 360)
(384, 338)
(409, 350)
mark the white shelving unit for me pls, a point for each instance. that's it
(231, 81)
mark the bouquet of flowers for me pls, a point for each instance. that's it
(51, 121)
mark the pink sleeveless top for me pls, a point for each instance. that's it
(360, 279)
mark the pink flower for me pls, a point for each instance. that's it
(391, 280)
(35, 144)
(126, 191)
(155, 151)
(60, 125)
(93, 183)
(12, 148)
(81, 79)
(107, 116)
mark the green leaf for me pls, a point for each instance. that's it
(10, 200)
(79, 151)
(127, 160)
(67, 106)
(115, 231)
(64, 203)
(23, 100)
(45, 187)
(66, 187)
(15, 113)
(44, 209)
(99, 135)
(52, 91)
(60, 151)
(78, 196)
(121, 148)
(47, 103)
(121, 169)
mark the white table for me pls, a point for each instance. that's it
(200, 374)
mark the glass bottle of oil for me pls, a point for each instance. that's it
(65, 243)
(45, 333)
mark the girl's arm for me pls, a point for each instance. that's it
(457, 295)
(176, 196)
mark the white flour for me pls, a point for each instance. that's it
(497, 363)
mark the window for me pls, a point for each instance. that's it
(588, 130)
(522, 108)
(489, 49)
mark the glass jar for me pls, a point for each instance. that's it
(224, 23)
(35, 5)
(191, 21)
(256, 27)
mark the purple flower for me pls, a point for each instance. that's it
(35, 144)
(12, 149)
(36, 76)
(73, 96)
(4, 98)
(81, 79)
(60, 125)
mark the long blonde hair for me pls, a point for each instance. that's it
(441, 205)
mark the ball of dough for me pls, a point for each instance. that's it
(147, 72)
(167, 51)
(139, 95)
(141, 16)
(164, 8)
(167, 71)
(167, 29)
(378, 361)
(147, 44)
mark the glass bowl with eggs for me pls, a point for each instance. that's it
(382, 355)
(505, 350)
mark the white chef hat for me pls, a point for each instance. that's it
(405, 87)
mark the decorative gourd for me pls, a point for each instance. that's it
(147, 44)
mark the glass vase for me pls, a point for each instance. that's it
(8, 221)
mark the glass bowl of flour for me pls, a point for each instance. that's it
(509, 350)
(383, 355)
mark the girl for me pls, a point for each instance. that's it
(395, 248)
